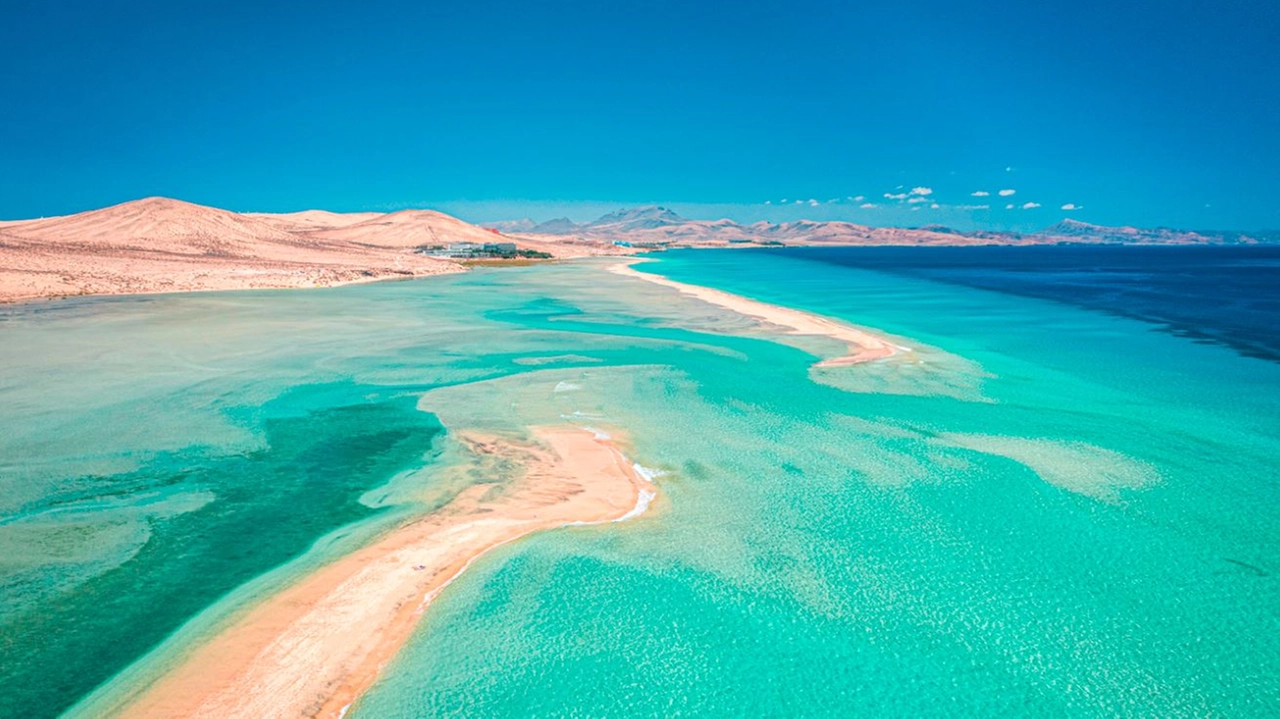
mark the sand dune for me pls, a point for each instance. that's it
(314, 648)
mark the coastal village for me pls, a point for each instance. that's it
(481, 251)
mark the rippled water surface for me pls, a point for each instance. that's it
(1041, 509)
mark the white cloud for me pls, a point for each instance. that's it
(914, 200)
(859, 198)
(899, 196)
(1031, 205)
(975, 207)
(1072, 206)
(913, 209)
(866, 205)
(799, 202)
(934, 206)
(768, 202)
(784, 200)
(1006, 193)
(814, 203)
(1008, 169)
(922, 191)
(981, 193)
(1008, 207)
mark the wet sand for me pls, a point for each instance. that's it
(315, 647)
(863, 346)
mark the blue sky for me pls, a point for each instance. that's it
(1139, 113)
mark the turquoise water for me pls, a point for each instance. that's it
(204, 523)
(1043, 510)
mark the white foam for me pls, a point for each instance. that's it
(643, 499)
(642, 504)
(566, 387)
(431, 595)
(647, 473)
(598, 433)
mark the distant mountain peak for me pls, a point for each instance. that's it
(658, 226)
(940, 229)
(639, 218)
(558, 226)
(524, 224)
(1069, 225)
(1076, 228)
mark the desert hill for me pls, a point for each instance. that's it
(155, 224)
(309, 220)
(407, 229)
(163, 245)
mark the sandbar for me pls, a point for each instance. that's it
(312, 649)
(863, 345)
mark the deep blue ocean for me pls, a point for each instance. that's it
(1229, 295)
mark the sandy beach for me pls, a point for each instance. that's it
(863, 346)
(315, 647)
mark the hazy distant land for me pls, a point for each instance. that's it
(164, 245)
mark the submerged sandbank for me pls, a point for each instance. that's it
(863, 346)
(312, 649)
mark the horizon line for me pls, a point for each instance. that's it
(688, 212)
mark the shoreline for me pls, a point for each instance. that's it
(19, 301)
(863, 346)
(313, 648)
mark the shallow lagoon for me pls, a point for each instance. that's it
(1044, 509)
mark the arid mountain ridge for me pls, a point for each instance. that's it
(655, 226)
(163, 245)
